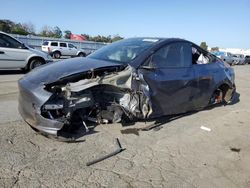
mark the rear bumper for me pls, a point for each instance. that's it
(30, 100)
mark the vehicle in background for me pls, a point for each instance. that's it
(240, 59)
(226, 57)
(58, 49)
(247, 59)
(16, 55)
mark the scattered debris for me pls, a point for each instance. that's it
(120, 149)
(9, 141)
(205, 128)
(235, 149)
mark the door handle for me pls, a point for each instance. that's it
(1, 52)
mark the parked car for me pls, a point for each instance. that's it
(247, 59)
(14, 54)
(138, 78)
(227, 57)
(58, 49)
(239, 59)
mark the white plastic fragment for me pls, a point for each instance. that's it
(205, 128)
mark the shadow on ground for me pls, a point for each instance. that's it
(154, 124)
(5, 72)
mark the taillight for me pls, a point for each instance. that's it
(48, 49)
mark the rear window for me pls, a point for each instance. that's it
(63, 45)
(54, 44)
(45, 43)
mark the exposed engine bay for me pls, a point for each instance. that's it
(98, 96)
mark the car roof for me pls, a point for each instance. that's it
(55, 41)
(160, 39)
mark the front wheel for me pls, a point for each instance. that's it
(35, 63)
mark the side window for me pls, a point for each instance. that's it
(54, 44)
(173, 55)
(2, 42)
(201, 57)
(71, 46)
(63, 45)
(9, 42)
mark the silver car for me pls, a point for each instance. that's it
(16, 55)
(240, 59)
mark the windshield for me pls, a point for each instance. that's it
(123, 51)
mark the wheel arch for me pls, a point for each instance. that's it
(56, 50)
(227, 89)
(80, 52)
(32, 58)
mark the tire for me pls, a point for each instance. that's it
(56, 55)
(36, 62)
(81, 54)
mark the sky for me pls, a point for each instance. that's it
(222, 23)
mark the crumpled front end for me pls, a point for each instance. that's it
(31, 98)
(97, 96)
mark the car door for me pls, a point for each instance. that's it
(63, 48)
(170, 79)
(12, 53)
(72, 50)
(205, 73)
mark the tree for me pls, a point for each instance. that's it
(67, 34)
(116, 38)
(214, 49)
(48, 31)
(18, 29)
(86, 36)
(57, 32)
(29, 27)
(203, 45)
(6, 25)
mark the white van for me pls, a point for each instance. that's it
(16, 55)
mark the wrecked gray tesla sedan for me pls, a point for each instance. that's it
(133, 79)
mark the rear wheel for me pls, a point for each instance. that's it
(35, 63)
(57, 55)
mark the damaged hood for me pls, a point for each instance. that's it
(53, 72)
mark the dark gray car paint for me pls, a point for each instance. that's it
(170, 91)
(53, 72)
